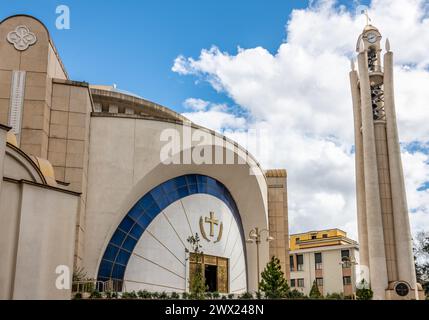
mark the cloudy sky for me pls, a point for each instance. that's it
(276, 68)
(299, 99)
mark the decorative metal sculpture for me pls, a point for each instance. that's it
(372, 59)
(377, 98)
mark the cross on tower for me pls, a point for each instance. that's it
(368, 19)
(212, 222)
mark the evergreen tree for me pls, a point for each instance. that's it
(315, 292)
(363, 291)
(197, 284)
(273, 283)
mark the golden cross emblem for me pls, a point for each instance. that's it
(212, 222)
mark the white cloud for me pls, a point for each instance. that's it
(213, 116)
(196, 104)
(299, 98)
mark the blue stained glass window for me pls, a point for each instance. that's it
(147, 208)
(110, 253)
(183, 192)
(191, 179)
(147, 201)
(126, 224)
(192, 188)
(144, 221)
(135, 212)
(105, 269)
(153, 211)
(136, 231)
(157, 193)
(129, 244)
(181, 181)
(118, 237)
(123, 257)
(118, 272)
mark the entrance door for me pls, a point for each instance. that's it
(210, 275)
(214, 270)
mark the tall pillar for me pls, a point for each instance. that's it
(403, 239)
(360, 174)
(376, 249)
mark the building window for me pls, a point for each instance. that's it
(313, 237)
(319, 282)
(292, 265)
(300, 262)
(345, 253)
(300, 283)
(292, 283)
(347, 281)
(345, 259)
(318, 261)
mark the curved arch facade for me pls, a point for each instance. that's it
(124, 240)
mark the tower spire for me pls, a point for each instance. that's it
(383, 221)
(368, 19)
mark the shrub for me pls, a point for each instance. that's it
(77, 296)
(129, 295)
(335, 296)
(95, 295)
(246, 296)
(144, 294)
(163, 296)
(296, 294)
(175, 296)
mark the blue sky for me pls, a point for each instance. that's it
(134, 43)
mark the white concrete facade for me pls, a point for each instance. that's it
(331, 271)
(161, 249)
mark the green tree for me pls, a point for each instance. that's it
(273, 283)
(315, 292)
(421, 254)
(197, 284)
(363, 291)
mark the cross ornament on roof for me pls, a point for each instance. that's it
(368, 19)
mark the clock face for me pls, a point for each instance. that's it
(402, 289)
(372, 37)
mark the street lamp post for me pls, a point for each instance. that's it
(255, 236)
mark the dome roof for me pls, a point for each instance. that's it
(115, 89)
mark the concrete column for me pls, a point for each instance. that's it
(377, 255)
(403, 238)
(360, 175)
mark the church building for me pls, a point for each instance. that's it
(97, 179)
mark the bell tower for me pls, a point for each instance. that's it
(383, 221)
